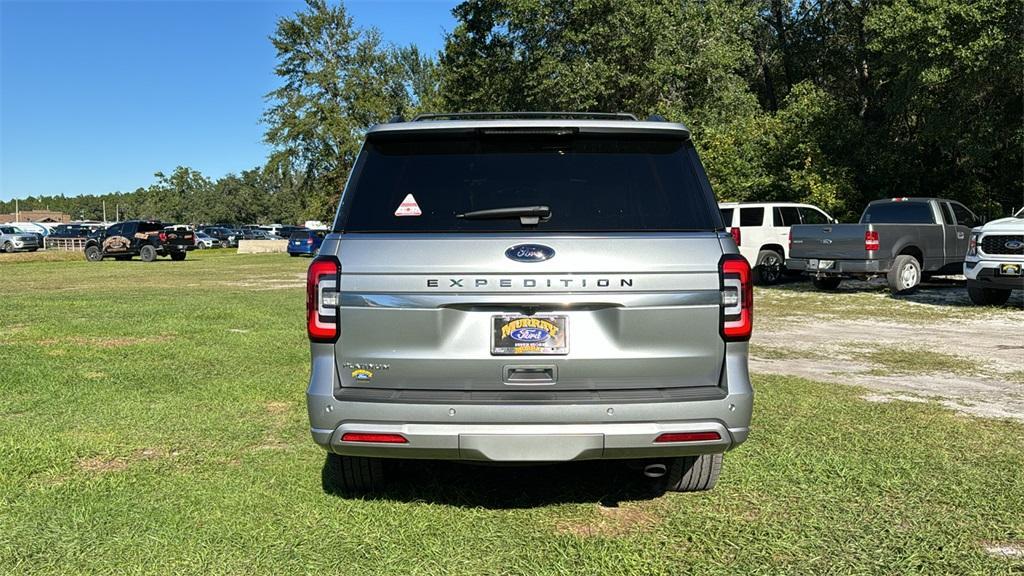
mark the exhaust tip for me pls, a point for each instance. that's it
(655, 470)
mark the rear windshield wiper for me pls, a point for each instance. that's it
(528, 215)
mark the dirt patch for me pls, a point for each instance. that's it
(610, 522)
(985, 384)
(270, 282)
(101, 342)
(103, 464)
(277, 408)
(1007, 549)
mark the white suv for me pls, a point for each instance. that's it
(761, 230)
(994, 265)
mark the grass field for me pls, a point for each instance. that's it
(152, 420)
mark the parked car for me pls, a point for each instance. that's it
(305, 242)
(529, 289)
(14, 239)
(903, 239)
(146, 239)
(73, 231)
(226, 237)
(204, 240)
(994, 266)
(761, 230)
(254, 234)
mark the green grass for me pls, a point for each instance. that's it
(152, 420)
(918, 361)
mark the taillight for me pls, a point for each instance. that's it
(737, 310)
(871, 240)
(791, 239)
(735, 231)
(322, 299)
(309, 241)
(163, 237)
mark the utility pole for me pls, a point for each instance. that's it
(104, 211)
(17, 216)
(117, 212)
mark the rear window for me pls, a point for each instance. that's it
(727, 216)
(898, 213)
(589, 182)
(299, 235)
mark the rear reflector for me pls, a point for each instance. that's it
(688, 437)
(378, 438)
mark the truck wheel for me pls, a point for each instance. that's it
(178, 256)
(93, 254)
(988, 296)
(693, 473)
(147, 253)
(905, 274)
(352, 474)
(826, 283)
(769, 267)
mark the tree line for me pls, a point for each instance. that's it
(833, 102)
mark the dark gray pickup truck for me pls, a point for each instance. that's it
(904, 239)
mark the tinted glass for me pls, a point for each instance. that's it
(727, 216)
(812, 216)
(299, 235)
(898, 213)
(964, 217)
(751, 216)
(590, 183)
(115, 230)
(150, 226)
(787, 216)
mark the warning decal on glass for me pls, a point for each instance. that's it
(408, 207)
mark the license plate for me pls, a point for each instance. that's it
(825, 264)
(1009, 269)
(521, 335)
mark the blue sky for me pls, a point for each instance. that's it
(97, 96)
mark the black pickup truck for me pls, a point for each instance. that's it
(146, 239)
(904, 239)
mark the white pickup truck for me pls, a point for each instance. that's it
(994, 265)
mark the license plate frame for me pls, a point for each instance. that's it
(536, 335)
(1011, 269)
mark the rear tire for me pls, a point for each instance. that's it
(988, 296)
(147, 253)
(827, 283)
(769, 267)
(352, 474)
(93, 253)
(178, 256)
(905, 274)
(693, 473)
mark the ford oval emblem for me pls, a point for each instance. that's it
(530, 335)
(1014, 244)
(529, 253)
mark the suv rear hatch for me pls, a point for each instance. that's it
(613, 285)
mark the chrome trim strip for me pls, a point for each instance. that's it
(569, 301)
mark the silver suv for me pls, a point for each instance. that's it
(529, 288)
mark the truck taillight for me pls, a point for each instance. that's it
(737, 309)
(735, 231)
(322, 299)
(871, 240)
(163, 237)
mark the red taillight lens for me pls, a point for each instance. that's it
(871, 240)
(688, 437)
(163, 237)
(378, 438)
(737, 310)
(735, 231)
(322, 299)
(309, 241)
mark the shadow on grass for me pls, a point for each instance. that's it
(501, 487)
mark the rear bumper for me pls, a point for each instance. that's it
(841, 267)
(531, 432)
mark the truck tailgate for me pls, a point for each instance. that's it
(828, 241)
